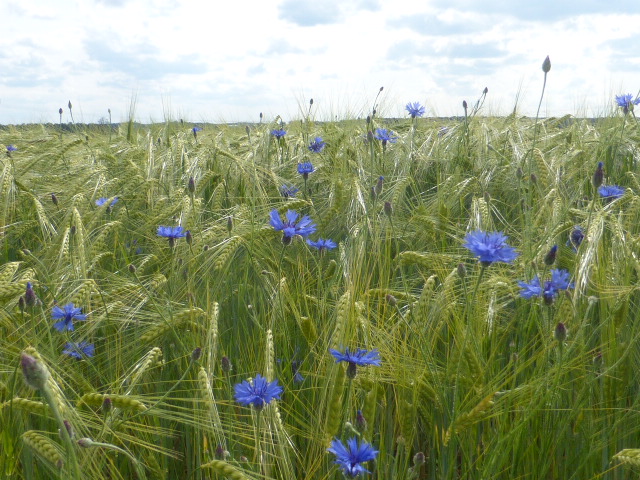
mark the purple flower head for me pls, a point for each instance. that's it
(11, 148)
(575, 237)
(559, 281)
(317, 145)
(610, 192)
(351, 457)
(258, 393)
(385, 136)
(278, 132)
(415, 109)
(171, 232)
(66, 315)
(102, 200)
(626, 102)
(360, 358)
(490, 247)
(196, 129)
(79, 350)
(305, 169)
(292, 226)
(288, 191)
(322, 244)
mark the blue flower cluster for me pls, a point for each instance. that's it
(549, 291)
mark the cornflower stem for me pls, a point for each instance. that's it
(347, 408)
(257, 455)
(530, 161)
(64, 433)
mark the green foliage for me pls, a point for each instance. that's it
(471, 373)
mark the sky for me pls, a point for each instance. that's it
(229, 61)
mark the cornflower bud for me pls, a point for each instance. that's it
(550, 257)
(560, 333)
(34, 372)
(546, 65)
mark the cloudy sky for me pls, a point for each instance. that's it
(228, 61)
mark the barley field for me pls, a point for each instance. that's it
(378, 298)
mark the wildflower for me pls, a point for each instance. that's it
(560, 332)
(278, 133)
(288, 191)
(29, 295)
(79, 350)
(351, 456)
(415, 109)
(226, 364)
(361, 422)
(258, 393)
(172, 233)
(322, 244)
(361, 358)
(305, 169)
(34, 372)
(626, 102)
(610, 192)
(377, 189)
(546, 65)
(297, 376)
(317, 145)
(102, 200)
(66, 315)
(303, 227)
(11, 148)
(548, 291)
(195, 131)
(385, 136)
(550, 257)
(490, 247)
(598, 175)
(575, 237)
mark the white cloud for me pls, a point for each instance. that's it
(231, 60)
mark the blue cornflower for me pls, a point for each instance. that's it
(322, 244)
(102, 200)
(305, 168)
(66, 315)
(258, 393)
(303, 227)
(610, 192)
(626, 102)
(172, 233)
(297, 376)
(361, 357)
(575, 237)
(317, 145)
(79, 350)
(11, 148)
(415, 109)
(559, 281)
(196, 129)
(351, 456)
(490, 247)
(278, 133)
(288, 191)
(385, 136)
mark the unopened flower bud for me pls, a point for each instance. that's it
(188, 237)
(30, 295)
(598, 175)
(21, 304)
(196, 354)
(85, 442)
(221, 453)
(226, 364)
(379, 185)
(388, 209)
(546, 65)
(464, 105)
(107, 405)
(361, 422)
(391, 300)
(462, 270)
(560, 333)
(34, 372)
(54, 199)
(418, 459)
(550, 257)
(229, 223)
(69, 428)
(132, 268)
(191, 185)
